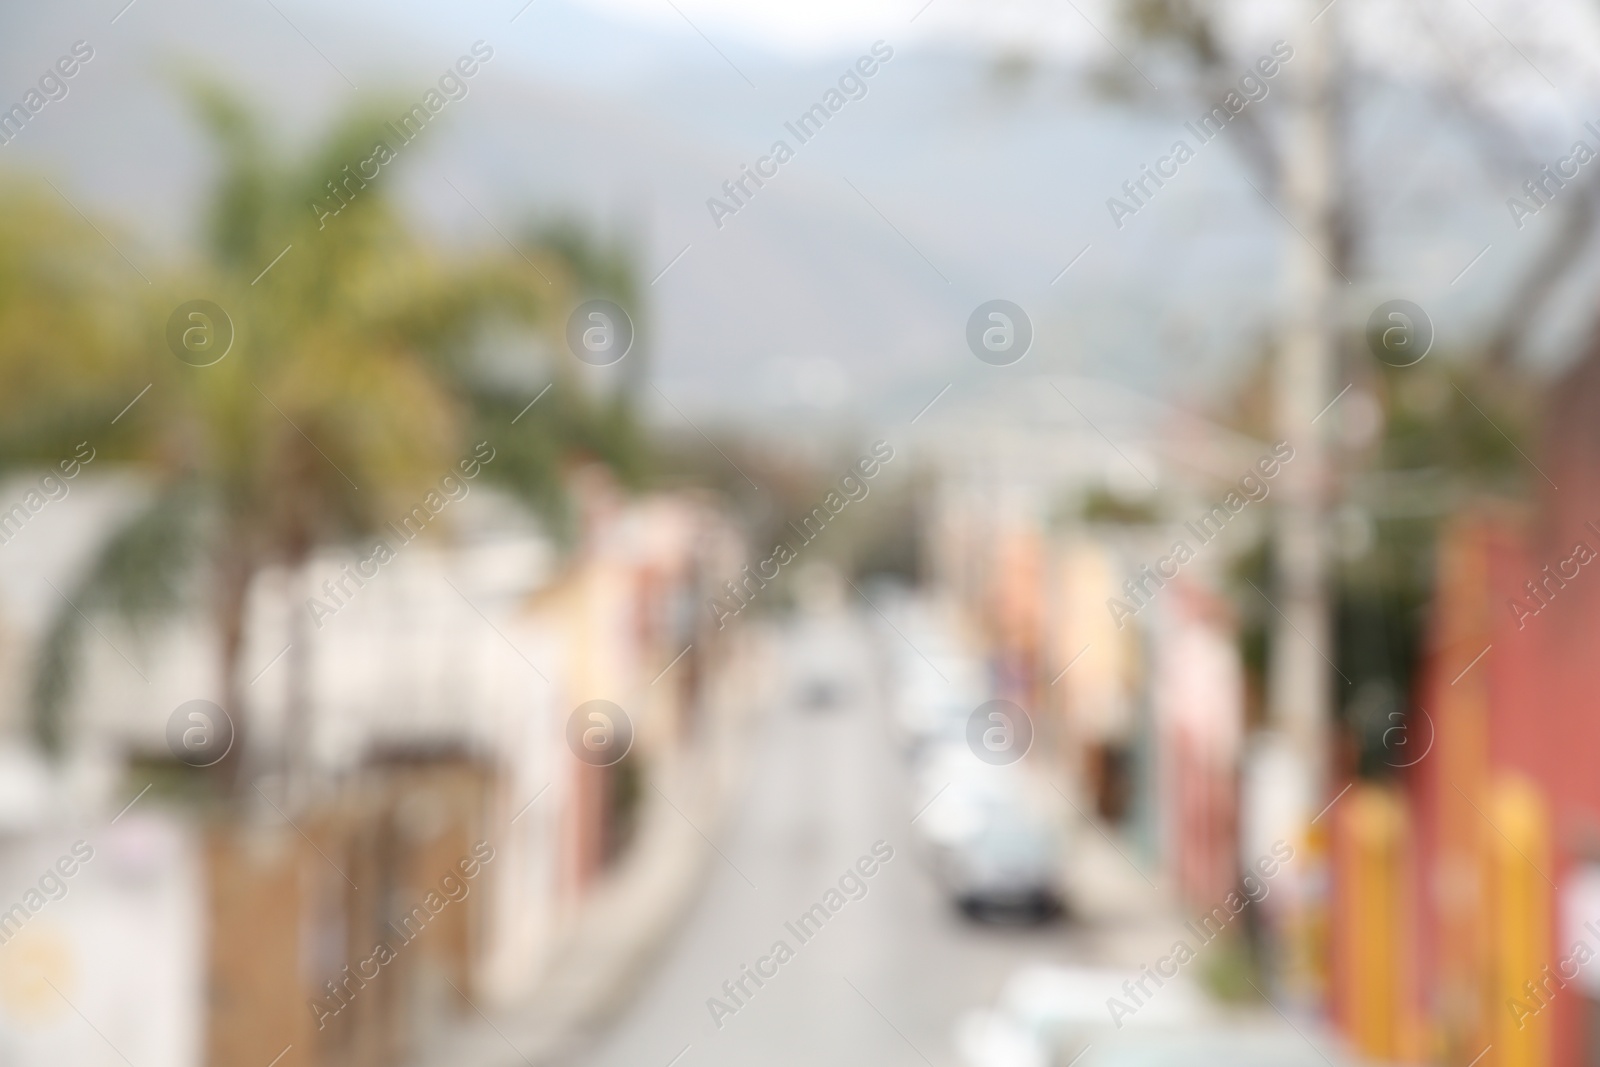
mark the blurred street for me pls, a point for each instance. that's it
(886, 979)
(601, 533)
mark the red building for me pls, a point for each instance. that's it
(1501, 817)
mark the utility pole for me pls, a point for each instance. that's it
(1299, 680)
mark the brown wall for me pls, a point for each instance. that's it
(293, 908)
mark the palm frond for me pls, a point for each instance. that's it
(140, 576)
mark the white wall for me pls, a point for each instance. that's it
(113, 968)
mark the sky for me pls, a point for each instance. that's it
(841, 291)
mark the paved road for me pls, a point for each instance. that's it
(885, 979)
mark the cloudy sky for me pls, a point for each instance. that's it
(843, 288)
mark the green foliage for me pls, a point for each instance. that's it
(141, 575)
(599, 270)
(1451, 433)
(1229, 969)
(1101, 505)
(66, 309)
(1447, 432)
(349, 388)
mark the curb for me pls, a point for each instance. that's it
(625, 923)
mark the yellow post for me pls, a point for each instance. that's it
(1521, 902)
(1374, 976)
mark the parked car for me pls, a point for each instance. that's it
(819, 693)
(934, 680)
(1011, 868)
(993, 844)
(932, 700)
(1053, 1016)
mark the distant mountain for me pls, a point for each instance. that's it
(841, 290)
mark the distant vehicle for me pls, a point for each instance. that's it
(935, 681)
(991, 834)
(820, 694)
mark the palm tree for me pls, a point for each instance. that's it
(349, 389)
(66, 309)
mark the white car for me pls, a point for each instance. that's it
(994, 845)
(933, 699)
(1052, 1015)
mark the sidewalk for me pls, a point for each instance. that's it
(627, 919)
(1127, 913)
(1131, 920)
